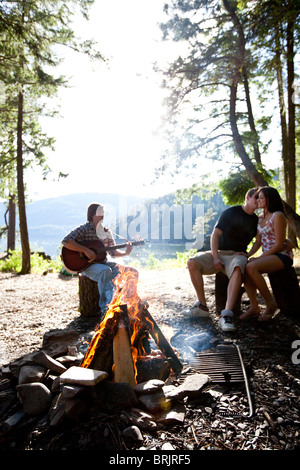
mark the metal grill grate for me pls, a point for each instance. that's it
(222, 365)
(225, 365)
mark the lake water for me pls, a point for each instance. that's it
(159, 250)
(140, 253)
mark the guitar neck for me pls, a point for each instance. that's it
(115, 247)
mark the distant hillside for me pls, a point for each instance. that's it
(49, 220)
(166, 228)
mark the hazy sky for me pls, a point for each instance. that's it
(105, 139)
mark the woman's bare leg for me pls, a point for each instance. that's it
(255, 270)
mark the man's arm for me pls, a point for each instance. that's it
(118, 253)
(75, 246)
(256, 245)
(214, 244)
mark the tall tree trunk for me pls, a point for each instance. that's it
(21, 193)
(291, 197)
(236, 79)
(11, 229)
(291, 157)
(293, 218)
(254, 135)
(251, 170)
(283, 122)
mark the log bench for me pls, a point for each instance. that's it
(284, 284)
(88, 296)
(286, 290)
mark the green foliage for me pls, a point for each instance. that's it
(30, 34)
(167, 263)
(205, 190)
(38, 264)
(235, 186)
(199, 82)
(152, 262)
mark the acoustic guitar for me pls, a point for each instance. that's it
(75, 261)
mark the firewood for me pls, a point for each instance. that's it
(150, 324)
(99, 355)
(123, 363)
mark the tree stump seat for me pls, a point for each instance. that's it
(286, 290)
(88, 296)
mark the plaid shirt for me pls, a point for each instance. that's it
(87, 232)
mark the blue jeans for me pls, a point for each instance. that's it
(103, 274)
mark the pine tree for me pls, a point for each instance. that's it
(29, 33)
(211, 84)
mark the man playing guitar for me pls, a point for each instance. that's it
(86, 247)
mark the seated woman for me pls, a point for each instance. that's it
(276, 255)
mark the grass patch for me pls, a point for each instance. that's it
(39, 265)
(13, 263)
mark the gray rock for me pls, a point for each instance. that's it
(35, 398)
(75, 408)
(198, 341)
(155, 402)
(133, 433)
(167, 446)
(174, 416)
(191, 386)
(82, 376)
(57, 412)
(30, 374)
(60, 337)
(148, 387)
(72, 391)
(48, 362)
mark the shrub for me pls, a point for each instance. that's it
(13, 263)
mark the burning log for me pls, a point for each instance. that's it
(123, 362)
(99, 355)
(159, 338)
(122, 336)
(123, 367)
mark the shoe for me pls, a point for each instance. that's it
(226, 321)
(268, 314)
(249, 314)
(197, 310)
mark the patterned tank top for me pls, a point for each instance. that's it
(268, 238)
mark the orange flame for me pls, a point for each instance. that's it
(125, 293)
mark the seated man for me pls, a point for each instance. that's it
(235, 229)
(103, 273)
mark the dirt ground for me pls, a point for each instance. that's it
(32, 305)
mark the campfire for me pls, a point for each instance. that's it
(121, 344)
